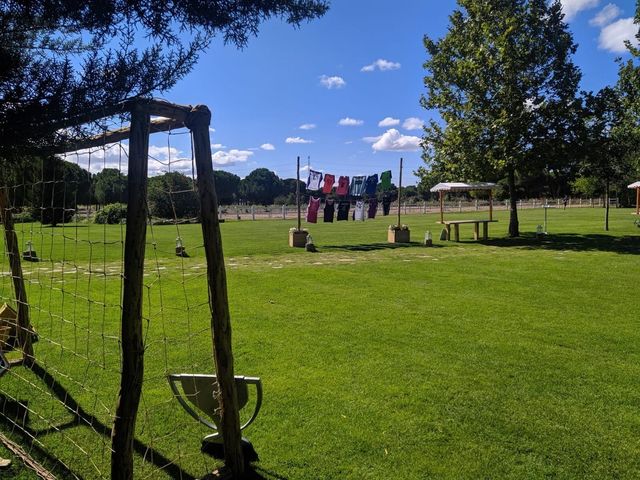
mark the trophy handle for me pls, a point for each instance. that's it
(258, 383)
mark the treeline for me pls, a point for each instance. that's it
(50, 190)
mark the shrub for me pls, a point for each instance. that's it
(111, 214)
(23, 217)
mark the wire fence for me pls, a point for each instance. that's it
(285, 212)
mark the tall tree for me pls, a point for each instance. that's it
(227, 186)
(172, 195)
(260, 186)
(608, 149)
(110, 186)
(504, 84)
(59, 58)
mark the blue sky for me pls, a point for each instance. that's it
(322, 91)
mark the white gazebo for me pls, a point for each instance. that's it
(445, 187)
(636, 185)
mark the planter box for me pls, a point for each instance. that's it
(398, 236)
(298, 238)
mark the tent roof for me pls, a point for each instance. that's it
(635, 185)
(462, 187)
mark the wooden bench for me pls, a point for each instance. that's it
(476, 228)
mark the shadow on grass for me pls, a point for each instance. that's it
(18, 418)
(373, 246)
(629, 244)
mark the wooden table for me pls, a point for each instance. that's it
(476, 228)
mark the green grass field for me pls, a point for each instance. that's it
(497, 359)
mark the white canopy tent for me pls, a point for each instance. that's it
(442, 188)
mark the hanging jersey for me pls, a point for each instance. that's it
(385, 180)
(329, 209)
(370, 184)
(373, 208)
(343, 211)
(329, 180)
(357, 186)
(343, 186)
(313, 182)
(359, 211)
(386, 205)
(312, 210)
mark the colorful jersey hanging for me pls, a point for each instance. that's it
(358, 214)
(357, 186)
(373, 208)
(329, 180)
(385, 180)
(343, 211)
(343, 186)
(329, 209)
(313, 182)
(312, 210)
(370, 184)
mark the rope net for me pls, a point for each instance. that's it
(61, 409)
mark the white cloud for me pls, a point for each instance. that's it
(297, 140)
(350, 122)
(412, 123)
(267, 146)
(613, 36)
(332, 82)
(388, 122)
(571, 8)
(307, 126)
(382, 65)
(231, 157)
(217, 146)
(212, 130)
(393, 141)
(605, 16)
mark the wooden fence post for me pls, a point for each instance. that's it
(123, 432)
(23, 326)
(198, 122)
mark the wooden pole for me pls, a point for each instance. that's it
(399, 192)
(122, 436)
(638, 201)
(13, 250)
(491, 205)
(198, 122)
(441, 206)
(298, 194)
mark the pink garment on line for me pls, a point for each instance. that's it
(312, 210)
(329, 180)
(343, 186)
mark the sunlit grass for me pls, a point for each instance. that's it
(499, 359)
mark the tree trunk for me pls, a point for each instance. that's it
(514, 226)
(606, 206)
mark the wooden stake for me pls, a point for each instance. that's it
(491, 205)
(441, 206)
(198, 122)
(638, 201)
(399, 192)
(123, 432)
(13, 250)
(298, 194)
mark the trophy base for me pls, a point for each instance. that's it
(215, 448)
